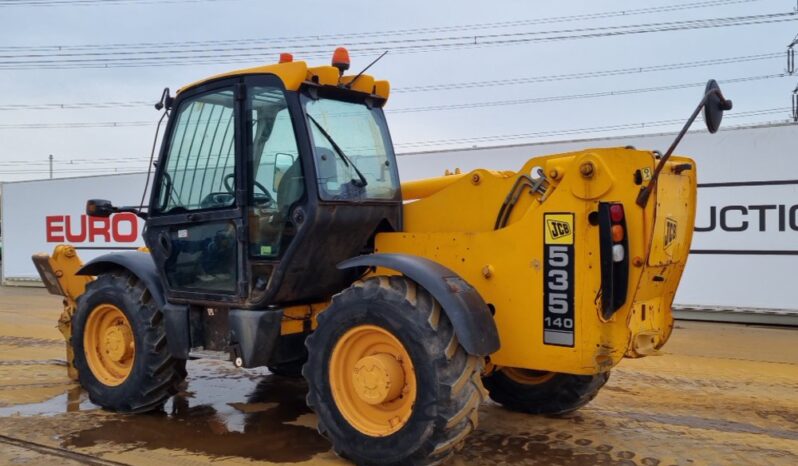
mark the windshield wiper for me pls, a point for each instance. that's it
(363, 183)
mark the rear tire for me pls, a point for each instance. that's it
(145, 377)
(536, 392)
(445, 380)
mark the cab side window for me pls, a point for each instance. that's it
(276, 181)
(200, 162)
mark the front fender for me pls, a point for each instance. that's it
(143, 267)
(470, 316)
(138, 263)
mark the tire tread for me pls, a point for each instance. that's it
(459, 391)
(162, 374)
(561, 394)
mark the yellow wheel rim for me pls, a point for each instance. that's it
(527, 376)
(373, 380)
(109, 345)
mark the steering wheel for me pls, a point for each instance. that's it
(261, 198)
(215, 200)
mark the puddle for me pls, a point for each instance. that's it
(222, 411)
(74, 400)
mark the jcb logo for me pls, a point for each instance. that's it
(670, 231)
(559, 229)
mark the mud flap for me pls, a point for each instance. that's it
(177, 330)
(254, 334)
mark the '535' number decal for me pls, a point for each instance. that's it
(558, 279)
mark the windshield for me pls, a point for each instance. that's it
(360, 133)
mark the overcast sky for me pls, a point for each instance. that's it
(511, 50)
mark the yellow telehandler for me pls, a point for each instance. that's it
(278, 234)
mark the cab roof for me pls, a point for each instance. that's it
(296, 73)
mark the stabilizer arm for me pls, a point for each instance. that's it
(59, 274)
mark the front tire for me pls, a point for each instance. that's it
(388, 378)
(536, 392)
(119, 340)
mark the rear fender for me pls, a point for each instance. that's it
(470, 316)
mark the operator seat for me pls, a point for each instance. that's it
(267, 229)
(327, 170)
(329, 184)
(290, 189)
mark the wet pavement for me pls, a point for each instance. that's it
(719, 394)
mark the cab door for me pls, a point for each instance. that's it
(196, 210)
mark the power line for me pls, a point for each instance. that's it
(78, 105)
(405, 45)
(411, 144)
(533, 100)
(37, 3)
(57, 172)
(585, 74)
(70, 162)
(483, 139)
(104, 172)
(74, 161)
(595, 129)
(591, 95)
(446, 86)
(161, 50)
(96, 124)
(385, 33)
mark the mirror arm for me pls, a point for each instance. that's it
(110, 210)
(133, 210)
(103, 208)
(645, 192)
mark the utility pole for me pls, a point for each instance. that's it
(791, 71)
(795, 105)
(51, 166)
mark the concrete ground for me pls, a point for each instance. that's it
(719, 394)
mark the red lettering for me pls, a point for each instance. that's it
(98, 226)
(53, 226)
(75, 238)
(119, 228)
(132, 231)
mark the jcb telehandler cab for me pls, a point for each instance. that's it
(278, 235)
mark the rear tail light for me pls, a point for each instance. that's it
(616, 213)
(614, 258)
(617, 233)
(617, 218)
(618, 253)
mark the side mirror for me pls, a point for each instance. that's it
(714, 106)
(282, 162)
(99, 208)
